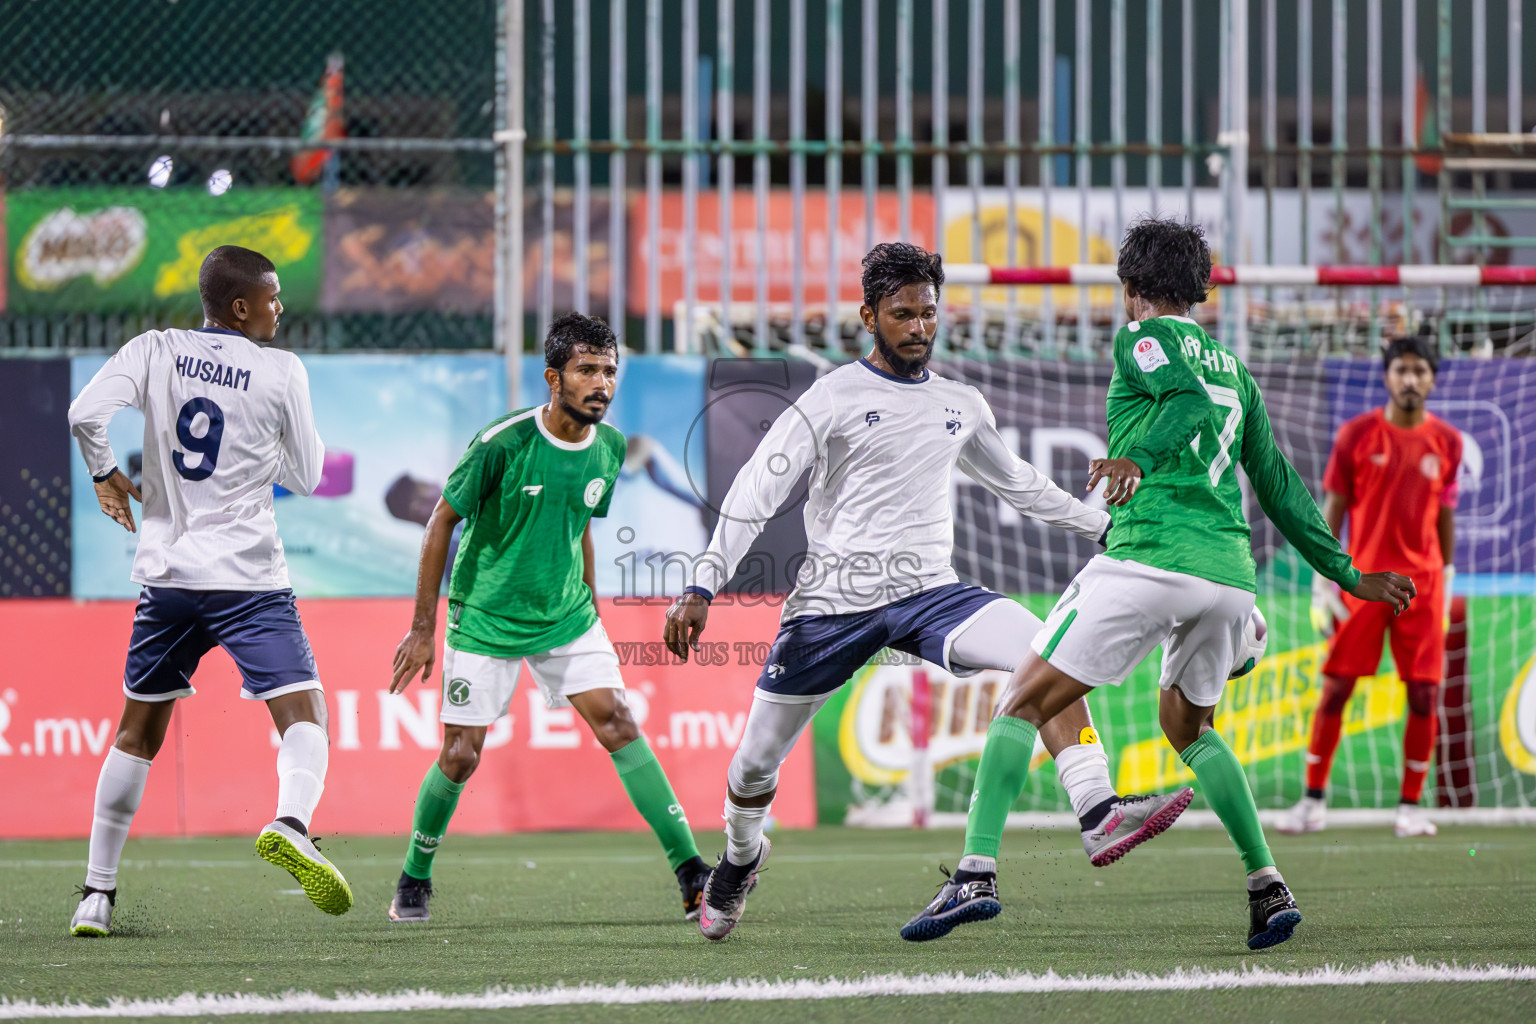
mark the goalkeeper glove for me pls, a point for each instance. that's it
(1328, 607)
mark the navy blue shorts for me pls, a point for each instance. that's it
(173, 629)
(815, 654)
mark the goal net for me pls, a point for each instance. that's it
(1312, 354)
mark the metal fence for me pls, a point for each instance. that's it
(760, 146)
(99, 100)
(1160, 106)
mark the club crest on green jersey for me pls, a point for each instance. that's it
(594, 492)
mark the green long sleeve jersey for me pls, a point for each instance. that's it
(1185, 409)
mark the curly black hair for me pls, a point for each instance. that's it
(1166, 262)
(573, 331)
(891, 266)
(229, 272)
(1411, 345)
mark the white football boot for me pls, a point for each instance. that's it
(1309, 815)
(1412, 821)
(1132, 821)
(297, 854)
(93, 917)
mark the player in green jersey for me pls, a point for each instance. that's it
(521, 589)
(1183, 414)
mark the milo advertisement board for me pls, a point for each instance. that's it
(120, 249)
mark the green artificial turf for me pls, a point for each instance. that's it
(208, 916)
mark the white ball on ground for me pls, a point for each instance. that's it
(1255, 639)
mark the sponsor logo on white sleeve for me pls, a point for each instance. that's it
(1149, 355)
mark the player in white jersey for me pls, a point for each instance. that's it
(881, 438)
(225, 418)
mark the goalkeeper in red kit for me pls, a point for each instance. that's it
(1393, 473)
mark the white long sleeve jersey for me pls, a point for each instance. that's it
(224, 420)
(879, 524)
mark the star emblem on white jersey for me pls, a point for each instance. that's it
(953, 423)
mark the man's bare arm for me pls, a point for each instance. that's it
(589, 566)
(418, 651)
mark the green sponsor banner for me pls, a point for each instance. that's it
(864, 751)
(138, 249)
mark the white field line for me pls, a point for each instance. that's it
(1395, 972)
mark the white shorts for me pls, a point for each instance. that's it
(478, 688)
(1116, 611)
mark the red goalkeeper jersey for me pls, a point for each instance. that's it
(1394, 481)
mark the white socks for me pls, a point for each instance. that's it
(1263, 877)
(301, 764)
(743, 832)
(976, 863)
(119, 789)
(1084, 772)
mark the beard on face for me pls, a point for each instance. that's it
(903, 366)
(581, 413)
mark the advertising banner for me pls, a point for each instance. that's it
(541, 769)
(392, 250)
(672, 255)
(394, 428)
(114, 248)
(401, 250)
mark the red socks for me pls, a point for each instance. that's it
(1418, 743)
(1326, 726)
(1418, 737)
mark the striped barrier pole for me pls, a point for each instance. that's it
(1406, 275)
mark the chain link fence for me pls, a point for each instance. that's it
(762, 146)
(133, 132)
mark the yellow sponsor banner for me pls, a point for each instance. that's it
(1265, 714)
(1517, 721)
(1030, 241)
(874, 729)
(279, 234)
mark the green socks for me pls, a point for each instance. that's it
(638, 769)
(999, 781)
(652, 796)
(435, 802)
(1222, 781)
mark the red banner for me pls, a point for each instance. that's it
(673, 255)
(541, 770)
